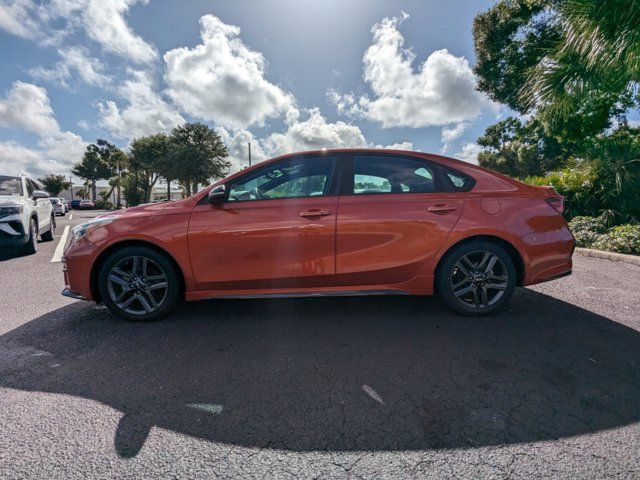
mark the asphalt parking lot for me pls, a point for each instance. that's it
(382, 387)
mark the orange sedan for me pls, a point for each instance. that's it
(331, 222)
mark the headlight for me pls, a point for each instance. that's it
(10, 208)
(81, 230)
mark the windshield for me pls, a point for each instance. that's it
(10, 185)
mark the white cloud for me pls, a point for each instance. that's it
(469, 153)
(27, 107)
(449, 134)
(102, 20)
(75, 61)
(442, 91)
(238, 146)
(397, 146)
(145, 113)
(314, 133)
(18, 17)
(221, 80)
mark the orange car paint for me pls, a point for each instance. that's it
(357, 243)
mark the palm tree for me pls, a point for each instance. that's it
(599, 51)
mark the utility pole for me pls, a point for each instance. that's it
(249, 153)
(71, 187)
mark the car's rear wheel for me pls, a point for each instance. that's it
(139, 284)
(50, 234)
(476, 278)
(31, 246)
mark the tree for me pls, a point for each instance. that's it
(198, 154)
(534, 55)
(148, 160)
(93, 166)
(54, 184)
(599, 51)
(520, 149)
(133, 190)
(509, 39)
(118, 162)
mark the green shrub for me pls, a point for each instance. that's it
(621, 239)
(104, 205)
(587, 230)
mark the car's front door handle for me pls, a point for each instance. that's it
(441, 208)
(315, 212)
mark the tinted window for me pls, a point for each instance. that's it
(460, 181)
(10, 185)
(387, 174)
(298, 177)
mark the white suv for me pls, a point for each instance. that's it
(25, 213)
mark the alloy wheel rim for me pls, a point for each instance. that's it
(479, 279)
(137, 285)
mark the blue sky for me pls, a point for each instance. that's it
(284, 75)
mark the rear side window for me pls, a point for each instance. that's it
(459, 181)
(387, 174)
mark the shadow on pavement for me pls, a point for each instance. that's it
(383, 373)
(11, 252)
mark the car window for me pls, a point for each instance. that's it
(298, 177)
(10, 185)
(389, 174)
(460, 181)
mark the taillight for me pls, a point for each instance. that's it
(557, 203)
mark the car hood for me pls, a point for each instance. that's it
(146, 210)
(10, 199)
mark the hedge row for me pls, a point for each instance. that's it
(592, 232)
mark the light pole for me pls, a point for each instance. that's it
(71, 186)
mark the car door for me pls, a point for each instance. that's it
(39, 205)
(395, 215)
(276, 229)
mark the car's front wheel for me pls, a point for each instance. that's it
(139, 284)
(476, 278)
(31, 246)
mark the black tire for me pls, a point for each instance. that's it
(50, 234)
(31, 246)
(139, 284)
(462, 269)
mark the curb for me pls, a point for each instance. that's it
(616, 257)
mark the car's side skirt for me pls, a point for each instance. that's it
(343, 293)
(422, 285)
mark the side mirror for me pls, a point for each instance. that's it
(39, 194)
(217, 194)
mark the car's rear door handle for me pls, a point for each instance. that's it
(315, 212)
(442, 208)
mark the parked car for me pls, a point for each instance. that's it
(65, 202)
(25, 213)
(86, 205)
(336, 222)
(58, 206)
(75, 204)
